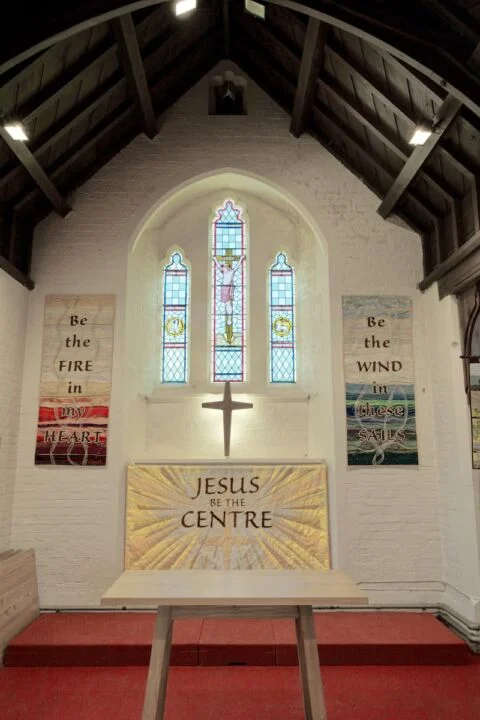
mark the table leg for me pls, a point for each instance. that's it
(309, 665)
(158, 669)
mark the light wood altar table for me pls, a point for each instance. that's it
(234, 593)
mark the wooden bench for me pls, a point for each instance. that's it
(18, 593)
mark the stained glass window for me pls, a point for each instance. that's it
(175, 320)
(228, 294)
(282, 321)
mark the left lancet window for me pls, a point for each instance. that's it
(229, 240)
(175, 320)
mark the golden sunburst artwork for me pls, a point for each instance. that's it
(225, 517)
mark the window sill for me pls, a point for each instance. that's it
(179, 394)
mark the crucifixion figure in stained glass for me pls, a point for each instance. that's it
(227, 266)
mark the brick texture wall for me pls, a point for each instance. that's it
(385, 522)
(13, 314)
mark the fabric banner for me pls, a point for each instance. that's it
(475, 412)
(379, 377)
(227, 517)
(75, 380)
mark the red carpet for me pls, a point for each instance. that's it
(200, 693)
(345, 638)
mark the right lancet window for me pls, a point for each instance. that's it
(282, 321)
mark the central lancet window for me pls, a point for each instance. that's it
(229, 277)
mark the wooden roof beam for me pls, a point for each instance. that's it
(346, 132)
(383, 135)
(451, 262)
(105, 129)
(371, 22)
(226, 27)
(402, 112)
(462, 23)
(15, 273)
(446, 114)
(423, 207)
(375, 27)
(33, 167)
(129, 52)
(312, 61)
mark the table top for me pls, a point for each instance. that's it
(234, 588)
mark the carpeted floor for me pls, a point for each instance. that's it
(375, 666)
(245, 693)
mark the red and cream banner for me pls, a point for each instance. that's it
(75, 380)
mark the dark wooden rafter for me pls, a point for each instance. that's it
(86, 105)
(123, 115)
(15, 273)
(117, 82)
(446, 114)
(371, 21)
(91, 15)
(346, 133)
(131, 59)
(372, 86)
(459, 256)
(352, 107)
(367, 23)
(93, 61)
(312, 61)
(383, 134)
(33, 167)
(461, 22)
(265, 36)
(226, 27)
(428, 221)
(423, 206)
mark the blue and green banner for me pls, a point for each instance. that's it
(379, 378)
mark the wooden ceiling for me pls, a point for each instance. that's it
(358, 75)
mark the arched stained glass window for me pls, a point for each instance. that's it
(175, 320)
(282, 321)
(228, 294)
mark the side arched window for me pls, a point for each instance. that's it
(175, 319)
(282, 330)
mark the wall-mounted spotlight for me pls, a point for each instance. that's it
(185, 6)
(255, 8)
(420, 135)
(16, 131)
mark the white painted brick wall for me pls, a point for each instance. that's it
(458, 510)
(385, 522)
(13, 316)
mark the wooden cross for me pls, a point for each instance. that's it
(227, 405)
(228, 258)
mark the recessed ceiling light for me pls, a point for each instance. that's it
(420, 135)
(16, 131)
(185, 6)
(255, 8)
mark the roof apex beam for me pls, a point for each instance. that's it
(312, 61)
(446, 114)
(33, 167)
(129, 52)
